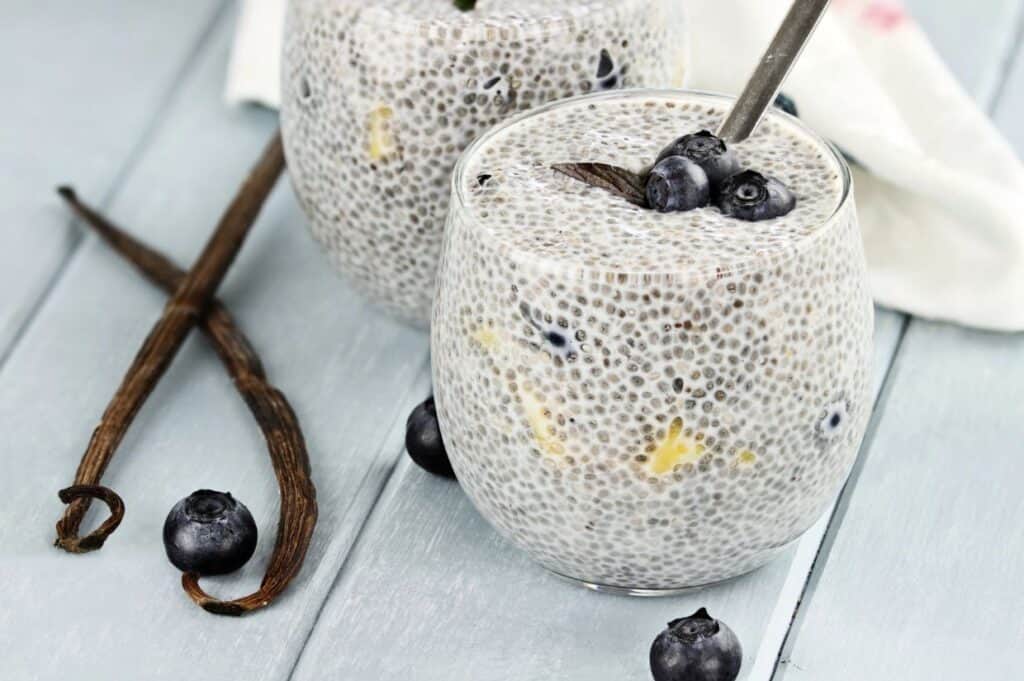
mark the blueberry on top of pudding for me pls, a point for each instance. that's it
(708, 151)
(685, 175)
(528, 208)
(676, 183)
(749, 195)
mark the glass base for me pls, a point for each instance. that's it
(762, 560)
(643, 593)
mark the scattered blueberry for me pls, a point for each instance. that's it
(786, 103)
(706, 150)
(749, 195)
(677, 183)
(696, 648)
(491, 82)
(209, 533)
(482, 179)
(423, 440)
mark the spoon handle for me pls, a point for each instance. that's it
(778, 59)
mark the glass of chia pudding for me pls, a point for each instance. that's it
(649, 401)
(379, 98)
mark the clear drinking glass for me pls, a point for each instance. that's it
(648, 402)
(379, 97)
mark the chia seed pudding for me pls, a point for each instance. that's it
(648, 401)
(379, 97)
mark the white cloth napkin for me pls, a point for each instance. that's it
(940, 195)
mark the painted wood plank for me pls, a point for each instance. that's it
(82, 82)
(351, 374)
(972, 37)
(929, 538)
(432, 592)
(1009, 115)
(923, 580)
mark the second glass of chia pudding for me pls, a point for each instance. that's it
(379, 98)
(647, 399)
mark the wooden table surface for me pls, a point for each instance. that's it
(915, 575)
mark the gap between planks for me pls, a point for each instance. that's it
(813, 549)
(373, 484)
(786, 620)
(993, 84)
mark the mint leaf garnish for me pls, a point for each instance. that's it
(621, 182)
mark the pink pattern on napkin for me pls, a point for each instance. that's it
(877, 15)
(884, 16)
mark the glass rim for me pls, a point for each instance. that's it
(459, 202)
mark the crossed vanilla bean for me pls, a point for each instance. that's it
(269, 406)
(185, 308)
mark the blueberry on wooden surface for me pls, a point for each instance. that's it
(210, 533)
(423, 440)
(696, 648)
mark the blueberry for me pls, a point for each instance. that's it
(749, 195)
(677, 183)
(556, 333)
(556, 339)
(604, 64)
(423, 440)
(696, 648)
(706, 150)
(210, 533)
(608, 77)
(559, 342)
(833, 419)
(786, 103)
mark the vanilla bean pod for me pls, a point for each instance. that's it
(285, 443)
(185, 308)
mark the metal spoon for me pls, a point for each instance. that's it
(778, 59)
